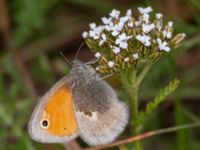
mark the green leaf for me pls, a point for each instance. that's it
(195, 3)
(28, 17)
(171, 87)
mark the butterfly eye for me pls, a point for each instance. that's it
(44, 123)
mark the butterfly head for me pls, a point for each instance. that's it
(81, 71)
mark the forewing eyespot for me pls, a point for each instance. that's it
(44, 123)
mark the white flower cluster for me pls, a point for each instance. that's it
(97, 32)
(118, 33)
(115, 25)
(116, 30)
(147, 26)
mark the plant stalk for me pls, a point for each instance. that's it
(132, 83)
(143, 73)
(133, 93)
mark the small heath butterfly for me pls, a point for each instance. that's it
(80, 104)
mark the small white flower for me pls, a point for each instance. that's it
(129, 13)
(122, 40)
(115, 14)
(111, 64)
(116, 29)
(103, 36)
(115, 49)
(145, 10)
(120, 25)
(115, 33)
(126, 59)
(144, 39)
(162, 45)
(145, 18)
(123, 45)
(95, 33)
(159, 15)
(124, 19)
(124, 37)
(146, 28)
(137, 23)
(167, 34)
(135, 56)
(103, 39)
(97, 68)
(183, 35)
(106, 20)
(85, 34)
(170, 23)
(92, 25)
(97, 55)
(130, 24)
(109, 26)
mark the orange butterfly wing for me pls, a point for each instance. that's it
(59, 112)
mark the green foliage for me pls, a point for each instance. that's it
(43, 68)
(195, 3)
(98, 6)
(171, 87)
(28, 16)
(182, 138)
(14, 108)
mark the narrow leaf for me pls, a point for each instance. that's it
(171, 87)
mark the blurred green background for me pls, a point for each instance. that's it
(33, 32)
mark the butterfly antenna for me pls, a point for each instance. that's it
(107, 76)
(91, 62)
(65, 58)
(79, 50)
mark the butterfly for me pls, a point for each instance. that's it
(79, 104)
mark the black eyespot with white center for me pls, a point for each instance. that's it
(44, 123)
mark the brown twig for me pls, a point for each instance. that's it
(4, 23)
(25, 74)
(145, 135)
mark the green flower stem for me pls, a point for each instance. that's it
(143, 73)
(129, 82)
(133, 93)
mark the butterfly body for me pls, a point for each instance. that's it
(86, 106)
